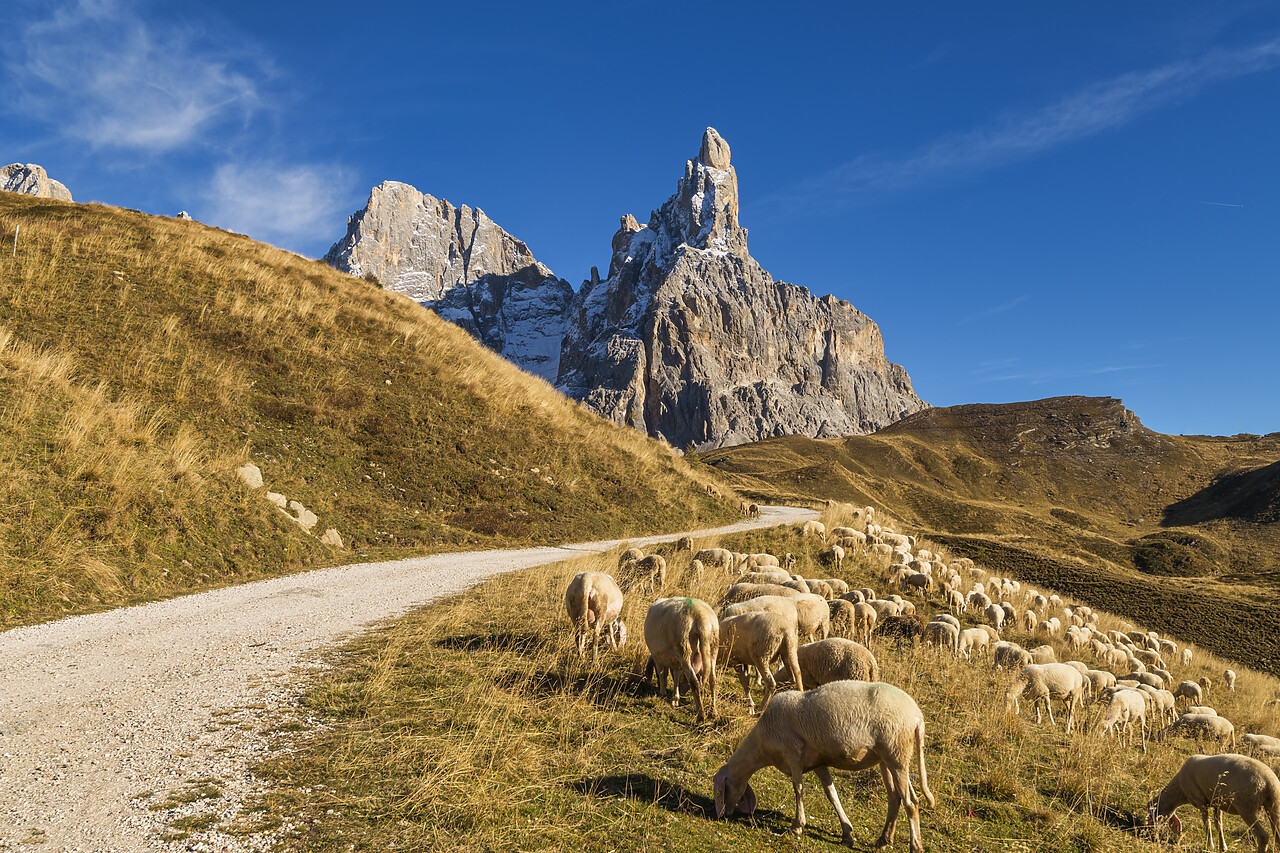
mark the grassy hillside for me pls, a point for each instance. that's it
(143, 359)
(1176, 531)
(472, 725)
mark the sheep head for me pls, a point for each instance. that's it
(737, 793)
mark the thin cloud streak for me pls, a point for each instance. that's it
(1090, 111)
(1220, 204)
(96, 72)
(993, 310)
(277, 202)
(1041, 377)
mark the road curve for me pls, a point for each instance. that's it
(98, 711)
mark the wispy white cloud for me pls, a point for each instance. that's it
(993, 310)
(1097, 108)
(96, 71)
(994, 373)
(277, 202)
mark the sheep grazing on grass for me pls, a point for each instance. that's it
(971, 640)
(1230, 783)
(649, 573)
(814, 528)
(753, 510)
(718, 558)
(864, 621)
(843, 618)
(848, 725)
(835, 556)
(757, 640)
(1229, 679)
(683, 636)
(630, 555)
(901, 628)
(1186, 657)
(746, 591)
(1043, 655)
(1263, 744)
(835, 659)
(1202, 727)
(1011, 655)
(594, 601)
(838, 586)
(1126, 707)
(1048, 682)
(1189, 691)
(943, 635)
(777, 576)
(685, 543)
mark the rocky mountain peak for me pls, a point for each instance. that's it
(703, 213)
(30, 179)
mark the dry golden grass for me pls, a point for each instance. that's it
(473, 724)
(144, 359)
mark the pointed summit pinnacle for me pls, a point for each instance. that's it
(715, 151)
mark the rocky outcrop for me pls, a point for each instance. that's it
(688, 338)
(30, 179)
(459, 262)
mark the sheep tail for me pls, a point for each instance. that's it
(924, 773)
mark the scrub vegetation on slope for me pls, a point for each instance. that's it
(143, 359)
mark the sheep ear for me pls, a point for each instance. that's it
(747, 805)
(1175, 824)
(718, 784)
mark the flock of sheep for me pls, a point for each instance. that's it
(841, 716)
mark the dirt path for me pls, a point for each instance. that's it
(103, 716)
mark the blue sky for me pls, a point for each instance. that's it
(1030, 199)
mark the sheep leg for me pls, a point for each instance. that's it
(829, 788)
(1222, 836)
(695, 688)
(895, 800)
(746, 689)
(1071, 712)
(1048, 706)
(797, 781)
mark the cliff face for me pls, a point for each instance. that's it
(459, 262)
(689, 338)
(686, 338)
(30, 179)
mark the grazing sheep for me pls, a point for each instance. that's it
(649, 573)
(683, 636)
(813, 616)
(902, 628)
(1206, 683)
(1125, 707)
(884, 607)
(918, 582)
(836, 659)
(1043, 655)
(972, 639)
(1265, 744)
(744, 591)
(1048, 682)
(995, 613)
(881, 550)
(864, 621)
(685, 543)
(799, 584)
(594, 601)
(719, 558)
(948, 618)
(820, 587)
(835, 556)
(1010, 655)
(1201, 709)
(696, 567)
(838, 586)
(789, 562)
(779, 577)
(1186, 657)
(1235, 784)
(814, 528)
(1099, 679)
(754, 562)
(1166, 705)
(843, 618)
(1190, 691)
(848, 725)
(1229, 678)
(770, 603)
(1202, 727)
(944, 635)
(757, 640)
(753, 511)
(1027, 621)
(630, 555)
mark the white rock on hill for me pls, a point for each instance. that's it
(30, 179)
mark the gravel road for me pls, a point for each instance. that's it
(104, 717)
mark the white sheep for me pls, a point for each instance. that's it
(629, 556)
(864, 621)
(1126, 706)
(683, 636)
(838, 586)
(1048, 682)
(1265, 744)
(1189, 691)
(1235, 784)
(814, 528)
(835, 659)
(1100, 679)
(1006, 654)
(648, 573)
(1229, 678)
(1186, 657)
(1202, 709)
(1202, 727)
(756, 640)
(848, 725)
(972, 639)
(720, 558)
(594, 602)
(745, 591)
(779, 577)
(944, 635)
(995, 613)
(835, 556)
